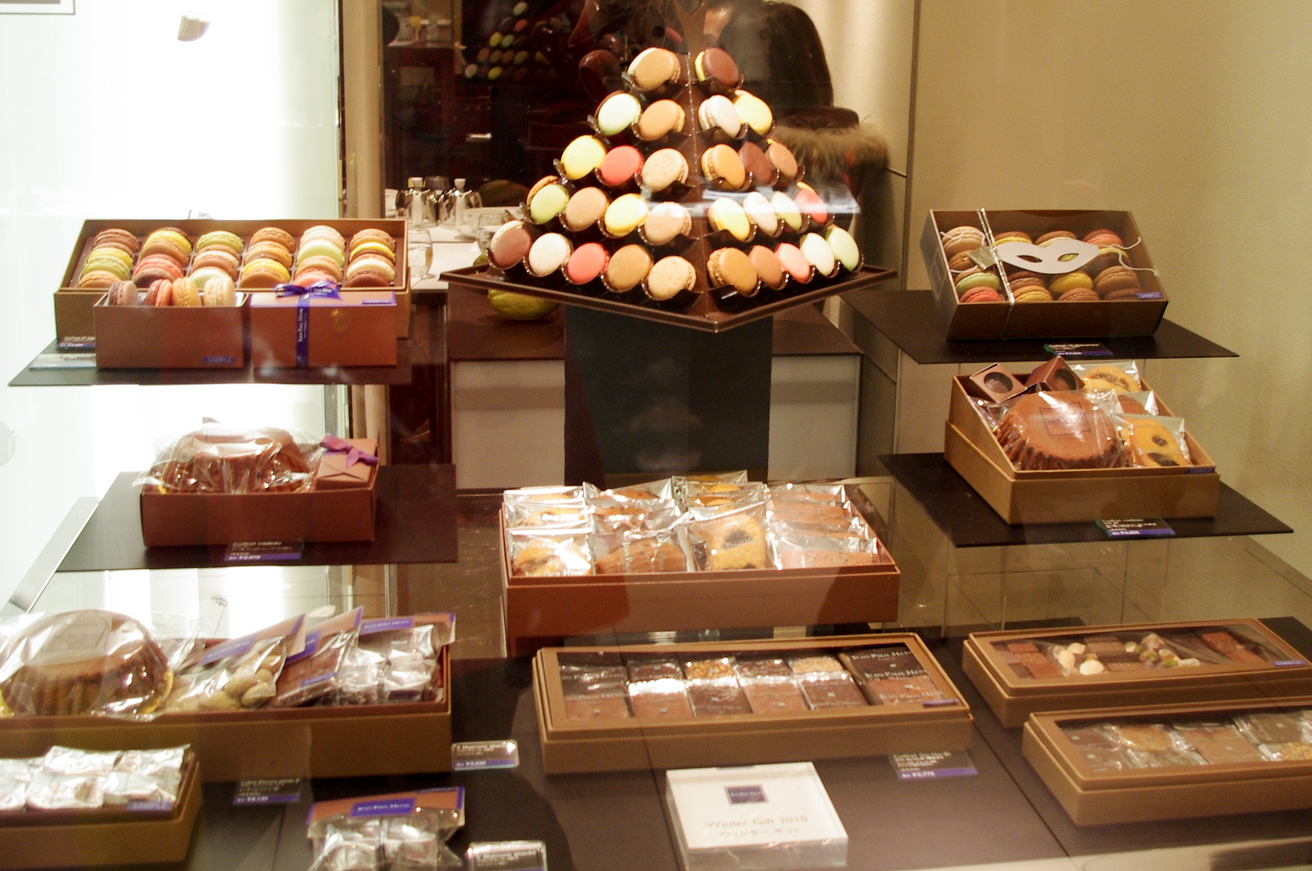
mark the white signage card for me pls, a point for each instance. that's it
(755, 806)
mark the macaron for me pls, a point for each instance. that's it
(96, 279)
(715, 67)
(627, 268)
(1108, 256)
(617, 112)
(794, 262)
(220, 257)
(587, 263)
(621, 166)
(767, 266)
(117, 237)
(169, 241)
(964, 238)
(1022, 279)
(318, 263)
(548, 253)
(818, 253)
(663, 169)
(754, 112)
(584, 209)
(761, 213)
(323, 231)
(1130, 292)
(372, 239)
(718, 114)
(1032, 294)
(369, 270)
(811, 204)
(1104, 237)
(386, 250)
(320, 246)
(844, 247)
(273, 234)
(1012, 236)
(1079, 294)
(582, 156)
(262, 272)
(185, 293)
(154, 266)
(1115, 278)
(653, 68)
(666, 221)
(981, 294)
(269, 249)
(509, 245)
(624, 215)
(758, 166)
(160, 293)
(725, 213)
(961, 263)
(224, 239)
(978, 279)
(1052, 236)
(1069, 281)
(122, 293)
(732, 267)
(660, 119)
(218, 291)
(112, 260)
(783, 160)
(669, 276)
(547, 199)
(787, 210)
(722, 166)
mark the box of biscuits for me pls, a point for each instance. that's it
(288, 700)
(689, 552)
(1101, 445)
(999, 274)
(219, 485)
(1126, 765)
(1020, 672)
(170, 262)
(71, 807)
(743, 702)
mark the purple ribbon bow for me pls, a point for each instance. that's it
(325, 289)
(354, 455)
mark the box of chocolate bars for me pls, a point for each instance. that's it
(1185, 487)
(1022, 672)
(723, 555)
(743, 702)
(1124, 765)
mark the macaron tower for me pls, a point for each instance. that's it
(679, 192)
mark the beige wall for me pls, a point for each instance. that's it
(1195, 117)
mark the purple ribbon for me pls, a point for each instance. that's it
(354, 455)
(325, 289)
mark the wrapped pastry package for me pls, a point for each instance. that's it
(239, 673)
(70, 779)
(221, 459)
(1060, 429)
(315, 673)
(1154, 441)
(539, 553)
(636, 553)
(732, 540)
(396, 659)
(404, 831)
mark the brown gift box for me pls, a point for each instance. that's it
(402, 737)
(1013, 698)
(610, 744)
(997, 320)
(102, 836)
(1072, 495)
(1173, 792)
(355, 330)
(170, 337)
(332, 472)
(1054, 375)
(995, 383)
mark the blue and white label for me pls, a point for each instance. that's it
(752, 794)
(393, 807)
(268, 790)
(1136, 527)
(933, 765)
(1076, 350)
(484, 755)
(263, 551)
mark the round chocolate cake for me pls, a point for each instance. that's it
(1059, 429)
(83, 662)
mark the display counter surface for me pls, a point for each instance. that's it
(910, 321)
(1002, 814)
(968, 521)
(415, 523)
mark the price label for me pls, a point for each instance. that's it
(933, 765)
(476, 755)
(63, 361)
(507, 856)
(268, 790)
(255, 552)
(1136, 527)
(1077, 350)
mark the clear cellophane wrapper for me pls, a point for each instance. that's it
(314, 675)
(414, 841)
(676, 487)
(632, 516)
(1120, 376)
(71, 779)
(392, 663)
(730, 540)
(222, 459)
(1064, 417)
(1153, 441)
(235, 675)
(634, 552)
(1154, 745)
(138, 662)
(799, 551)
(721, 496)
(547, 553)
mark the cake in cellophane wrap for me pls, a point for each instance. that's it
(220, 459)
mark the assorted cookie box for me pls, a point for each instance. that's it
(1001, 274)
(688, 705)
(578, 560)
(1022, 672)
(679, 205)
(1120, 765)
(1067, 443)
(253, 255)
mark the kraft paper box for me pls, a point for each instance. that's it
(357, 329)
(102, 836)
(170, 337)
(73, 318)
(1237, 776)
(1260, 665)
(1138, 316)
(336, 471)
(1072, 495)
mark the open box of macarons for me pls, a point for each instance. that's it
(129, 262)
(995, 273)
(679, 206)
